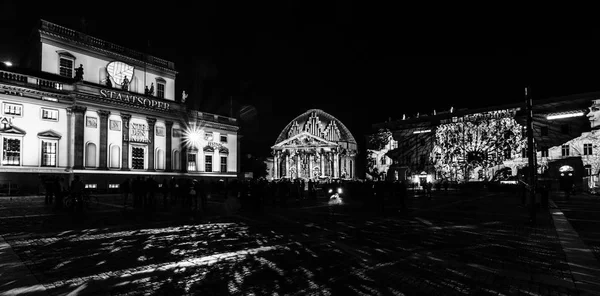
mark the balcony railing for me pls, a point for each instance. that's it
(99, 43)
(212, 117)
(30, 81)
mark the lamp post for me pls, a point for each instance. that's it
(531, 155)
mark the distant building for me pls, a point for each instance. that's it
(476, 145)
(315, 145)
(90, 107)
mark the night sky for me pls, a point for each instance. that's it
(361, 64)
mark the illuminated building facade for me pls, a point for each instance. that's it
(315, 145)
(87, 106)
(475, 145)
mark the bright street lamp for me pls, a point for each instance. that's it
(8, 63)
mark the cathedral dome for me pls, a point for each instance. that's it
(318, 123)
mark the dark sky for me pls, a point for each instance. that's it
(361, 64)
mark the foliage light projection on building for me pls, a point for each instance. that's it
(475, 146)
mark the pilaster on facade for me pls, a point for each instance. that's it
(151, 124)
(125, 151)
(79, 125)
(169, 146)
(103, 138)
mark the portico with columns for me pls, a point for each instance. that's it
(315, 145)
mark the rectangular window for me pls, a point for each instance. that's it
(66, 67)
(524, 153)
(137, 158)
(544, 151)
(91, 186)
(50, 114)
(13, 109)
(544, 131)
(565, 150)
(223, 164)
(192, 163)
(11, 152)
(588, 170)
(587, 149)
(116, 186)
(49, 153)
(160, 90)
(208, 163)
(383, 159)
(223, 138)
(564, 128)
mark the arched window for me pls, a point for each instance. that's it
(176, 160)
(160, 159)
(115, 156)
(90, 155)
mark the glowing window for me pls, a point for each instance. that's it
(13, 109)
(208, 163)
(49, 153)
(113, 186)
(91, 186)
(50, 114)
(66, 67)
(137, 158)
(223, 164)
(160, 88)
(544, 151)
(192, 163)
(11, 152)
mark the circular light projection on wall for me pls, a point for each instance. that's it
(119, 70)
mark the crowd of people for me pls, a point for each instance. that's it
(149, 193)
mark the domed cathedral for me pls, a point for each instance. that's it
(315, 145)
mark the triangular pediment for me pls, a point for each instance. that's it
(50, 134)
(12, 130)
(305, 139)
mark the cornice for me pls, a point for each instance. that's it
(222, 126)
(83, 46)
(22, 90)
(127, 108)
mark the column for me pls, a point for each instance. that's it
(103, 138)
(151, 123)
(275, 163)
(169, 153)
(125, 149)
(69, 139)
(336, 165)
(184, 164)
(310, 161)
(79, 129)
(287, 165)
(322, 164)
(298, 167)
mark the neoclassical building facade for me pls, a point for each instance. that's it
(315, 145)
(82, 105)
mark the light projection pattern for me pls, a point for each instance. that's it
(473, 147)
(118, 71)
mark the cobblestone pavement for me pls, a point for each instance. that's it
(451, 245)
(583, 212)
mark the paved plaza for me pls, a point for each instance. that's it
(455, 244)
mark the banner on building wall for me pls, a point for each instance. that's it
(134, 100)
(138, 132)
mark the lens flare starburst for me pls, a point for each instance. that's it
(192, 136)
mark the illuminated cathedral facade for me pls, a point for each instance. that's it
(315, 145)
